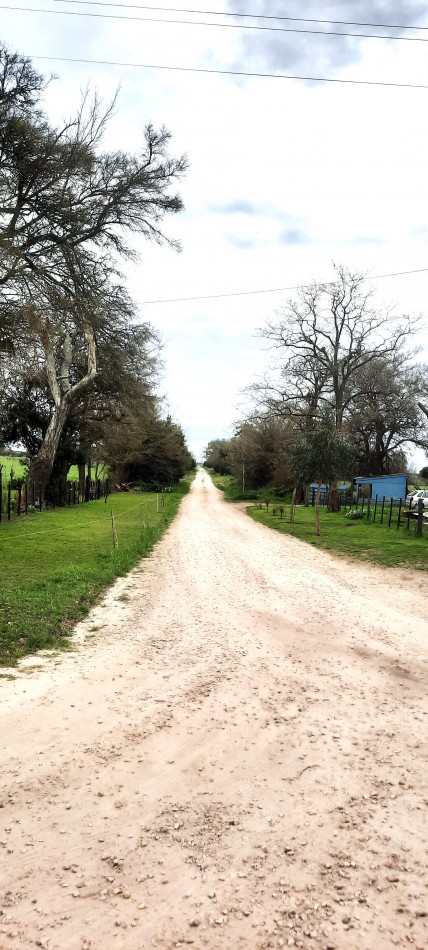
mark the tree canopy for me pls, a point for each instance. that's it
(69, 210)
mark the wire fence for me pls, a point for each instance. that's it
(388, 512)
(19, 498)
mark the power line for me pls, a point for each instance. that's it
(252, 16)
(229, 72)
(224, 26)
(271, 290)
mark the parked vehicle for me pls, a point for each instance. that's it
(413, 499)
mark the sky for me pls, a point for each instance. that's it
(285, 176)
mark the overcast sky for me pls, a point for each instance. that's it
(285, 176)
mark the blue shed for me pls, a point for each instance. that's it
(385, 486)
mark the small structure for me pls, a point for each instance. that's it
(384, 486)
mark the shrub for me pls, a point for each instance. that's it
(355, 514)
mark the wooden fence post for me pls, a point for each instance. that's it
(18, 507)
(390, 512)
(420, 517)
(383, 509)
(114, 531)
(8, 500)
(375, 509)
(399, 514)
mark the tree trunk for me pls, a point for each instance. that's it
(60, 478)
(333, 496)
(293, 507)
(41, 467)
(82, 478)
(317, 509)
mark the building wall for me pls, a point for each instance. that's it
(388, 486)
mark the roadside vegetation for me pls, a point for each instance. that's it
(350, 538)
(55, 564)
(344, 396)
(340, 534)
(233, 490)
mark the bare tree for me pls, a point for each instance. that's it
(326, 335)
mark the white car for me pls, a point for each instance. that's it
(413, 499)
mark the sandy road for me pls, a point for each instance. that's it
(233, 757)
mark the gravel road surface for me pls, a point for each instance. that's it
(234, 755)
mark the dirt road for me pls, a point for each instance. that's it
(233, 757)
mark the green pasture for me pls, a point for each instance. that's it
(10, 463)
(358, 539)
(54, 564)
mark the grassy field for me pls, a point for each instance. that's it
(8, 463)
(358, 539)
(55, 564)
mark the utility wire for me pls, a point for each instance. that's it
(224, 26)
(228, 72)
(250, 16)
(271, 290)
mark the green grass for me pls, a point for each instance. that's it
(357, 539)
(233, 490)
(55, 564)
(9, 462)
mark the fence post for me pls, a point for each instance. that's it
(383, 509)
(420, 516)
(390, 512)
(18, 507)
(368, 507)
(8, 501)
(399, 514)
(114, 531)
(375, 509)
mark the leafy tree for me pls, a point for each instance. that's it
(384, 415)
(217, 456)
(67, 210)
(146, 448)
(322, 455)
